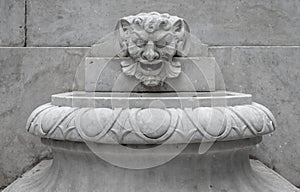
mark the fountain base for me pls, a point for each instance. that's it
(224, 167)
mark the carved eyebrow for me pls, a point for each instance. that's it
(159, 38)
(138, 35)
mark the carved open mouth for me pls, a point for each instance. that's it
(151, 67)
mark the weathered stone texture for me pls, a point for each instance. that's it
(272, 75)
(28, 77)
(230, 22)
(257, 166)
(12, 22)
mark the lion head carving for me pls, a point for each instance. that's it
(152, 40)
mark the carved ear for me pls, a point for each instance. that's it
(177, 26)
(122, 31)
(180, 26)
(186, 26)
(124, 25)
(182, 30)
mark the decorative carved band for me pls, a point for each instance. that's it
(151, 125)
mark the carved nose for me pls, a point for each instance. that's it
(150, 55)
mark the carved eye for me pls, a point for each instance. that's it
(140, 43)
(161, 44)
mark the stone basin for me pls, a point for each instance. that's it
(128, 132)
(151, 118)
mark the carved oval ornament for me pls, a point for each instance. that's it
(151, 126)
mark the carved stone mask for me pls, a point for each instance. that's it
(152, 40)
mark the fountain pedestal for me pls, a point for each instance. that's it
(152, 119)
(225, 167)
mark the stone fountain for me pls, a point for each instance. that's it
(151, 117)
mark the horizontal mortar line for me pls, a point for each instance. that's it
(43, 47)
(214, 46)
(250, 46)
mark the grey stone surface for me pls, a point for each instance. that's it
(221, 169)
(143, 100)
(151, 40)
(255, 164)
(272, 75)
(28, 76)
(109, 46)
(231, 22)
(105, 74)
(12, 22)
(150, 125)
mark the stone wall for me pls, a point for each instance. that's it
(256, 44)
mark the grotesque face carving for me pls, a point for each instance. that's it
(152, 40)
